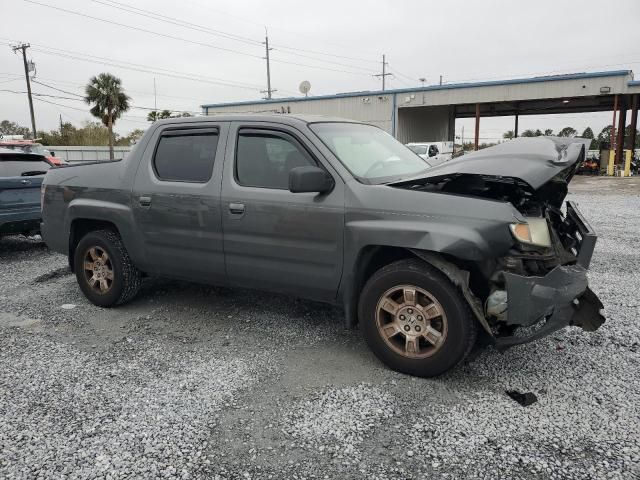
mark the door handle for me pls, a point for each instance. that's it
(144, 201)
(25, 182)
(236, 208)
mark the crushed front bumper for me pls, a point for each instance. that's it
(539, 306)
(542, 305)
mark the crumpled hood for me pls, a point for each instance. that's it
(534, 160)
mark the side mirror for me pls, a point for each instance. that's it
(310, 179)
(432, 153)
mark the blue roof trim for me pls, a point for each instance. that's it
(634, 83)
(450, 86)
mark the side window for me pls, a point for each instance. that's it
(264, 159)
(186, 155)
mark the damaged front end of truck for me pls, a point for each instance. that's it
(540, 284)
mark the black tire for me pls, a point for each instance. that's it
(461, 323)
(126, 277)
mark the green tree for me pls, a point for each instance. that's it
(588, 133)
(508, 134)
(154, 115)
(604, 137)
(131, 138)
(12, 128)
(548, 132)
(528, 133)
(109, 102)
(627, 134)
(568, 132)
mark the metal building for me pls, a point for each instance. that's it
(429, 113)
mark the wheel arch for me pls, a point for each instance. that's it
(80, 227)
(373, 257)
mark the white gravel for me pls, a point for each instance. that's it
(339, 418)
(197, 382)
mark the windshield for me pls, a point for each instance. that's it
(418, 149)
(370, 154)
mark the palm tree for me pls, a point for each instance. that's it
(154, 115)
(109, 101)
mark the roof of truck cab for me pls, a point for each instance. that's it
(286, 118)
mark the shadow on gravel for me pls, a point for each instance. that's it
(53, 274)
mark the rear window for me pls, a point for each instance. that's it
(22, 166)
(186, 155)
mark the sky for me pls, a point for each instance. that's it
(200, 51)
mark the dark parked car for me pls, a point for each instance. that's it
(421, 257)
(21, 176)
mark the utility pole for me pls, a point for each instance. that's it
(155, 96)
(268, 91)
(440, 79)
(384, 73)
(24, 47)
(60, 125)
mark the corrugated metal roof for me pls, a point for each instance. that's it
(449, 86)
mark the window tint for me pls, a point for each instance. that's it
(186, 156)
(264, 159)
(23, 168)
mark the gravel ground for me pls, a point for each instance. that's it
(191, 381)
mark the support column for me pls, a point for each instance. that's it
(476, 139)
(634, 123)
(515, 130)
(612, 141)
(622, 120)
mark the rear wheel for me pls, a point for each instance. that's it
(104, 270)
(415, 320)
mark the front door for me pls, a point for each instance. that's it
(275, 239)
(176, 202)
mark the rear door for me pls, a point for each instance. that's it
(20, 179)
(176, 201)
(274, 239)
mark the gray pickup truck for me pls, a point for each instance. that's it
(21, 176)
(422, 257)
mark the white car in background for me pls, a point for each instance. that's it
(434, 152)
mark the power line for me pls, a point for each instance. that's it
(137, 92)
(297, 33)
(125, 117)
(175, 21)
(57, 89)
(82, 100)
(182, 39)
(151, 32)
(238, 38)
(140, 67)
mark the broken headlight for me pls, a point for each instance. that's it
(534, 232)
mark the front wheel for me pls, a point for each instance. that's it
(415, 320)
(104, 271)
